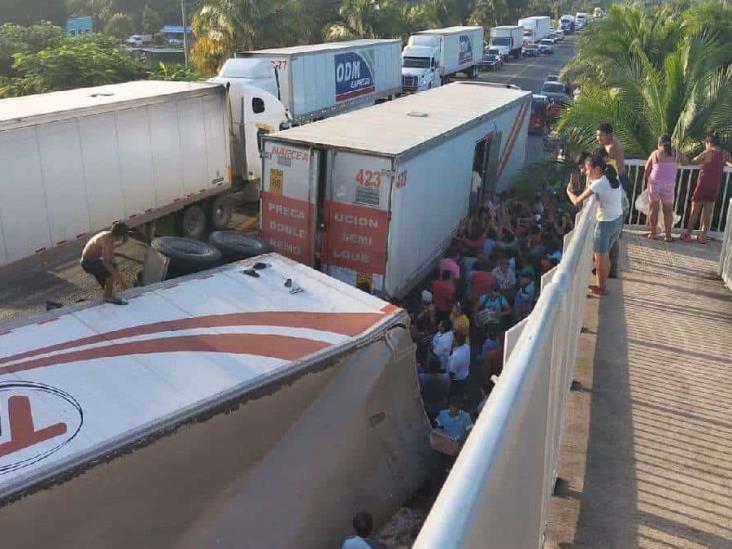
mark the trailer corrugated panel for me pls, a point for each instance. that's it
(393, 181)
(320, 80)
(74, 162)
(204, 408)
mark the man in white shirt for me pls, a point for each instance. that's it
(442, 344)
(459, 366)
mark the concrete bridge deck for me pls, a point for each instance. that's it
(647, 452)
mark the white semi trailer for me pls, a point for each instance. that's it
(320, 80)
(218, 410)
(74, 162)
(373, 197)
(432, 56)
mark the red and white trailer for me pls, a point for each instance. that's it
(221, 409)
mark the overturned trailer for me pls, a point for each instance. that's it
(222, 409)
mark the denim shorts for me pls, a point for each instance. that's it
(606, 233)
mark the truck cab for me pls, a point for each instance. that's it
(420, 64)
(255, 111)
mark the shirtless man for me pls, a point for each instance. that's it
(615, 151)
(97, 259)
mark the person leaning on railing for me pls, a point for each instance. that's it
(712, 161)
(605, 185)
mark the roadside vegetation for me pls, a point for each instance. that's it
(651, 70)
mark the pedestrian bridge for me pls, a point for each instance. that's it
(640, 447)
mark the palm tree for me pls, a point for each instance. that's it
(223, 27)
(358, 19)
(687, 94)
(488, 13)
(625, 29)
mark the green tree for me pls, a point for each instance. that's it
(686, 94)
(174, 72)
(488, 13)
(359, 19)
(120, 26)
(18, 39)
(222, 27)
(614, 38)
(72, 63)
(151, 21)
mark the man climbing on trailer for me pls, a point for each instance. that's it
(97, 259)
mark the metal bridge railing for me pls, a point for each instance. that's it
(685, 184)
(498, 492)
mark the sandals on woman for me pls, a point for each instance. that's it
(701, 239)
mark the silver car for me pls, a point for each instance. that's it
(555, 92)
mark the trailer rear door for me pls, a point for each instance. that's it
(357, 219)
(289, 198)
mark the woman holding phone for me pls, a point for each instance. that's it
(605, 185)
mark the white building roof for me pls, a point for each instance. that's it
(396, 127)
(34, 109)
(314, 48)
(98, 378)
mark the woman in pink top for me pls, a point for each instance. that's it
(660, 177)
(712, 161)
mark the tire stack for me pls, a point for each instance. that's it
(188, 255)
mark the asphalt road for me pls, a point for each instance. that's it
(529, 73)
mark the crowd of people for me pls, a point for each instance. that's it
(488, 281)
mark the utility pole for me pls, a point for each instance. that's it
(185, 31)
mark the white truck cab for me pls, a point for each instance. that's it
(255, 112)
(420, 63)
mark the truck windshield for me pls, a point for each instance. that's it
(416, 62)
(500, 41)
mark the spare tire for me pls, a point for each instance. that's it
(186, 254)
(235, 245)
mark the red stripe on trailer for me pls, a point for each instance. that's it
(267, 345)
(60, 242)
(202, 191)
(349, 324)
(133, 216)
(517, 125)
(6, 332)
(39, 250)
(389, 309)
(148, 210)
(80, 235)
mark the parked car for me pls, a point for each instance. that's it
(555, 92)
(545, 47)
(491, 61)
(551, 78)
(558, 36)
(530, 50)
(549, 39)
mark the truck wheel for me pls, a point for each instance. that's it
(192, 222)
(235, 245)
(219, 212)
(186, 254)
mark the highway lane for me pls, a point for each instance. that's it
(529, 73)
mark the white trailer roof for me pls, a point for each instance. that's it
(83, 383)
(314, 48)
(449, 30)
(35, 109)
(397, 127)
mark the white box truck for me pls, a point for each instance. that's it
(74, 162)
(374, 197)
(320, 80)
(536, 27)
(509, 39)
(217, 410)
(432, 56)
